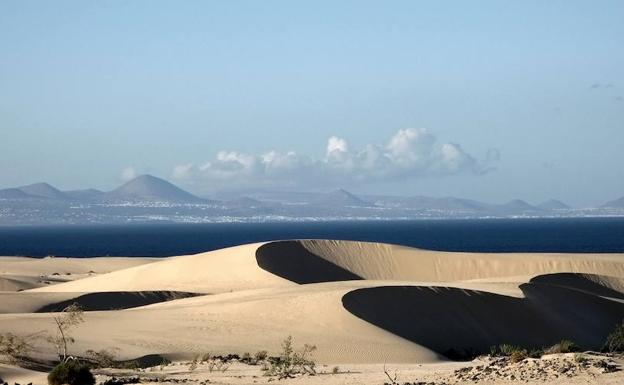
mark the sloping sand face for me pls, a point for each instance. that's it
(358, 302)
(459, 323)
(392, 262)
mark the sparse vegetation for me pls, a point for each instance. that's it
(580, 358)
(291, 362)
(14, 348)
(505, 350)
(335, 370)
(393, 379)
(66, 320)
(101, 359)
(615, 340)
(71, 372)
(216, 363)
(564, 346)
(260, 356)
(518, 355)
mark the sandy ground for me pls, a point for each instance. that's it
(362, 304)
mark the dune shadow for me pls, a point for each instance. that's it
(461, 323)
(292, 261)
(588, 283)
(116, 300)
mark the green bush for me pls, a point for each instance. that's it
(615, 340)
(71, 373)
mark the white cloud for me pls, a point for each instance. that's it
(128, 173)
(410, 153)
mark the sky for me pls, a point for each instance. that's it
(489, 100)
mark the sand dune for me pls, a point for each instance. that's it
(219, 271)
(284, 263)
(358, 302)
(472, 321)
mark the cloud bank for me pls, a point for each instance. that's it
(410, 153)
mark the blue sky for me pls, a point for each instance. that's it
(485, 100)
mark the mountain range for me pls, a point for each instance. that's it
(147, 197)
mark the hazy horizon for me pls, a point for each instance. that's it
(495, 102)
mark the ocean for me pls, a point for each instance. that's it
(597, 235)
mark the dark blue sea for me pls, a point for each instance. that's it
(599, 235)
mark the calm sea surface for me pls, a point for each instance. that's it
(496, 235)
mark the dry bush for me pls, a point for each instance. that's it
(291, 362)
(15, 348)
(518, 355)
(64, 321)
(615, 340)
(563, 346)
(101, 359)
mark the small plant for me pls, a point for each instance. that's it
(536, 353)
(70, 317)
(217, 364)
(504, 350)
(615, 340)
(101, 359)
(563, 346)
(393, 379)
(335, 370)
(580, 358)
(260, 356)
(14, 347)
(71, 372)
(291, 362)
(518, 355)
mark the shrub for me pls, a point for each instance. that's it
(291, 362)
(260, 356)
(335, 370)
(101, 359)
(580, 358)
(64, 321)
(518, 355)
(14, 347)
(564, 346)
(71, 372)
(504, 350)
(218, 364)
(536, 353)
(615, 340)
